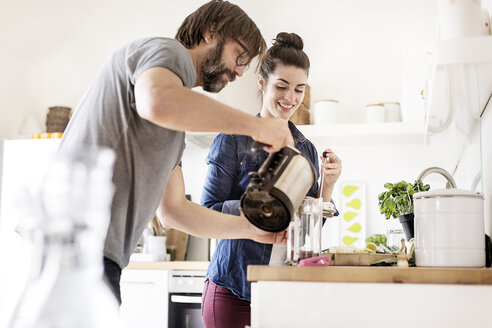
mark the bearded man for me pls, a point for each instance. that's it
(140, 104)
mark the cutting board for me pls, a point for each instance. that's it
(359, 259)
(177, 241)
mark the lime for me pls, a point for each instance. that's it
(371, 246)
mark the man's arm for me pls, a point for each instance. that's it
(162, 99)
(175, 211)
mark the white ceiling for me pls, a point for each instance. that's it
(33, 29)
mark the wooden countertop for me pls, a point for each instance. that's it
(170, 265)
(367, 274)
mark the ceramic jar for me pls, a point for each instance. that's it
(326, 111)
(375, 113)
(449, 228)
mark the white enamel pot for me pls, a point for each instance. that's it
(449, 228)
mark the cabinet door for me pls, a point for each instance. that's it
(144, 295)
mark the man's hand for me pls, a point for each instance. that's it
(274, 132)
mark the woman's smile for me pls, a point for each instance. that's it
(286, 107)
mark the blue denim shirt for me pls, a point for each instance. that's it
(230, 160)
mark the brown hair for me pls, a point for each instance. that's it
(230, 22)
(286, 50)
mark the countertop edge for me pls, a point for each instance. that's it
(169, 265)
(367, 274)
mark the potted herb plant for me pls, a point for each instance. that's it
(397, 202)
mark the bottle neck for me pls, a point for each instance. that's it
(76, 251)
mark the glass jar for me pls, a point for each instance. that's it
(304, 232)
(393, 237)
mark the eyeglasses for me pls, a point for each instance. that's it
(242, 60)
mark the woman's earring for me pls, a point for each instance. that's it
(261, 83)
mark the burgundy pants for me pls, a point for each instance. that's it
(222, 309)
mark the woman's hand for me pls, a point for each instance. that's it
(331, 168)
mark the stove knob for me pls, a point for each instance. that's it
(191, 282)
(180, 282)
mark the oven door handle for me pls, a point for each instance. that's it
(186, 299)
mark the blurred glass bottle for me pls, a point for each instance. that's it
(68, 227)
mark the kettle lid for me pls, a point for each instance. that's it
(447, 193)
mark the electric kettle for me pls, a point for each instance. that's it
(277, 189)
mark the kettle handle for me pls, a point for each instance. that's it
(257, 146)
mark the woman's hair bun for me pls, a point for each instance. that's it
(292, 40)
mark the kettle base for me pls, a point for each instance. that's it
(265, 212)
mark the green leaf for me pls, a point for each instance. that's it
(398, 199)
(390, 204)
(388, 185)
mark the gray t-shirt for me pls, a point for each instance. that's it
(146, 154)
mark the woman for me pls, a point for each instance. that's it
(282, 82)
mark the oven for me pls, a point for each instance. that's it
(184, 300)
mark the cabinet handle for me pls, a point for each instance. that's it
(186, 299)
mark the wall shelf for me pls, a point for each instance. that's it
(394, 133)
(356, 134)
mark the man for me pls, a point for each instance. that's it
(139, 105)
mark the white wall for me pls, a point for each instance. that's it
(361, 51)
(19, 98)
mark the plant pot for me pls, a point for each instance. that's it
(407, 224)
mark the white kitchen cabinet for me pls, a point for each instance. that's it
(345, 305)
(366, 296)
(144, 295)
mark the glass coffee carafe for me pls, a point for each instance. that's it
(304, 232)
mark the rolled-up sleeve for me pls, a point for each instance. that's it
(221, 176)
(231, 207)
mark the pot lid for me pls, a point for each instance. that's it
(447, 193)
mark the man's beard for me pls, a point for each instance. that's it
(213, 70)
